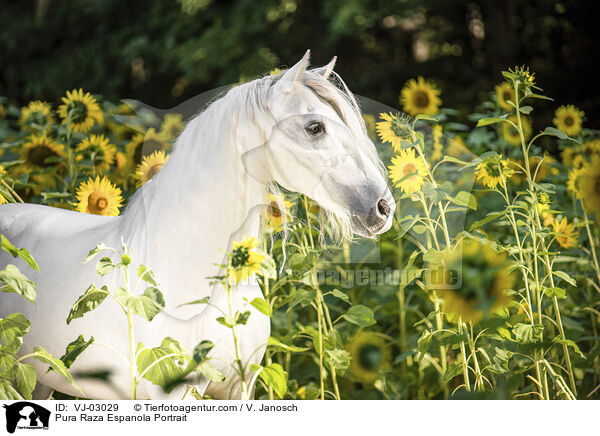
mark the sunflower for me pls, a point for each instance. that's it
(370, 356)
(99, 197)
(566, 233)
(244, 261)
(144, 145)
(511, 135)
(590, 148)
(457, 147)
(438, 147)
(568, 154)
(171, 126)
(420, 97)
(150, 166)
(407, 171)
(80, 110)
(277, 211)
(573, 182)
(589, 185)
(275, 71)
(522, 75)
(40, 152)
(3, 112)
(504, 94)
(492, 172)
(394, 129)
(579, 161)
(568, 119)
(98, 150)
(475, 284)
(37, 115)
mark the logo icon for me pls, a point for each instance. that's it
(26, 415)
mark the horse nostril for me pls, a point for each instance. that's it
(383, 208)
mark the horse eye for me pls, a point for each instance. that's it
(315, 128)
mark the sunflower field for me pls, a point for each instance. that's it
(487, 286)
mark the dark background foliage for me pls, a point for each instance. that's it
(163, 52)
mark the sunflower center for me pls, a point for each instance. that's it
(39, 154)
(492, 169)
(153, 170)
(409, 168)
(274, 210)
(421, 99)
(370, 357)
(507, 95)
(78, 111)
(240, 257)
(400, 128)
(97, 202)
(37, 117)
(569, 121)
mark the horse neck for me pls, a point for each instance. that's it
(182, 222)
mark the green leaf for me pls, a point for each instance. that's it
(434, 194)
(490, 217)
(360, 315)
(501, 361)
(16, 283)
(18, 252)
(528, 333)
(7, 365)
(424, 342)
(204, 300)
(525, 110)
(226, 321)
(555, 132)
(104, 266)
(7, 392)
(210, 372)
(489, 121)
(74, 349)
(262, 306)
(464, 198)
(563, 275)
(241, 318)
(426, 118)
(94, 251)
(26, 379)
(274, 342)
(338, 359)
(555, 292)
(162, 373)
(452, 371)
(538, 96)
(56, 364)
(275, 377)
(146, 275)
(201, 351)
(147, 305)
(568, 343)
(91, 299)
(341, 295)
(12, 330)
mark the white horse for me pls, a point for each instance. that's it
(296, 129)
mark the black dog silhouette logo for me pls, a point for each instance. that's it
(26, 415)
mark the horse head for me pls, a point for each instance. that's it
(318, 145)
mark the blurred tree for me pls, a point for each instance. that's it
(165, 51)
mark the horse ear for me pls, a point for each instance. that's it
(326, 70)
(295, 73)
